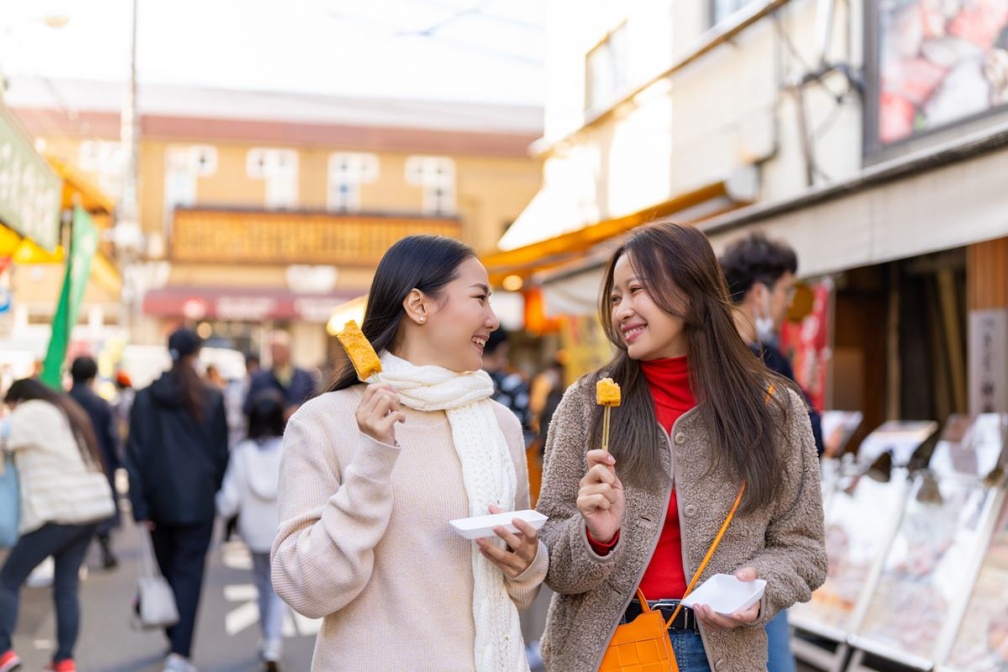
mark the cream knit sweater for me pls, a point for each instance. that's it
(56, 485)
(364, 539)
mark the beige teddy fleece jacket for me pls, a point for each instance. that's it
(785, 542)
(364, 540)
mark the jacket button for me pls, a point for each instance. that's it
(721, 665)
(691, 509)
(680, 439)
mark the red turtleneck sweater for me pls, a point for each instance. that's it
(668, 380)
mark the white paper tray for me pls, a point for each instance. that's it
(483, 526)
(725, 594)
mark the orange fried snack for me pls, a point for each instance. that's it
(363, 357)
(607, 392)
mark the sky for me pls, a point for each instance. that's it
(466, 50)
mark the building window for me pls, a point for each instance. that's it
(279, 169)
(106, 160)
(347, 172)
(722, 9)
(606, 71)
(436, 176)
(184, 165)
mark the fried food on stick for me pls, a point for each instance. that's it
(363, 357)
(607, 394)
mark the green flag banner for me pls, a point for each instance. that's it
(83, 243)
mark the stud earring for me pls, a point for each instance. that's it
(422, 319)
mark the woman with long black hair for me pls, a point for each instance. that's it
(64, 493)
(176, 455)
(372, 474)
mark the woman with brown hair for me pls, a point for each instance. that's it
(64, 494)
(700, 417)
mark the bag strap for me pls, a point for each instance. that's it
(714, 544)
(710, 553)
(148, 566)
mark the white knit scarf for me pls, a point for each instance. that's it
(488, 475)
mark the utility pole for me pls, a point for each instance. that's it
(127, 234)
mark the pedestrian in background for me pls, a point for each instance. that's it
(294, 384)
(371, 474)
(702, 422)
(83, 371)
(760, 274)
(63, 496)
(510, 388)
(250, 489)
(176, 455)
(121, 409)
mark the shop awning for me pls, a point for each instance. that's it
(909, 207)
(243, 304)
(563, 248)
(79, 190)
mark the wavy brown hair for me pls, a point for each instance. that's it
(678, 269)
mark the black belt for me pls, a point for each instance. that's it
(684, 620)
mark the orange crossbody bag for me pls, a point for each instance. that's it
(643, 645)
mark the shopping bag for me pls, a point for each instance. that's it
(154, 605)
(10, 502)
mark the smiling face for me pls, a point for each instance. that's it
(648, 331)
(456, 324)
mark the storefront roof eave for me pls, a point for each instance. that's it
(879, 174)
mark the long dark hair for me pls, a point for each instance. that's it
(426, 263)
(28, 389)
(192, 388)
(679, 271)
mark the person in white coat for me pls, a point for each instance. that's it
(250, 492)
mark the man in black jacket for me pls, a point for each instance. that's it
(83, 371)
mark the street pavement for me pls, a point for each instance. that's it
(227, 629)
(227, 632)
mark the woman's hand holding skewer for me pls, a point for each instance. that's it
(600, 497)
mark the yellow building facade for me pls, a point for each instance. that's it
(260, 219)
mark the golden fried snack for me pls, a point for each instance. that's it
(607, 392)
(363, 357)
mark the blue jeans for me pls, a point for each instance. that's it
(271, 607)
(780, 658)
(67, 544)
(689, 651)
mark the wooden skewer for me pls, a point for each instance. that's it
(605, 429)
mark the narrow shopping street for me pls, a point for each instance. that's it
(227, 631)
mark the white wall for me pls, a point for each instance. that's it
(731, 108)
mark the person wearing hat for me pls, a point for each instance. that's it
(176, 455)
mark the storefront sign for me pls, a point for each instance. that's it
(988, 361)
(807, 344)
(211, 236)
(242, 305)
(932, 65)
(30, 191)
